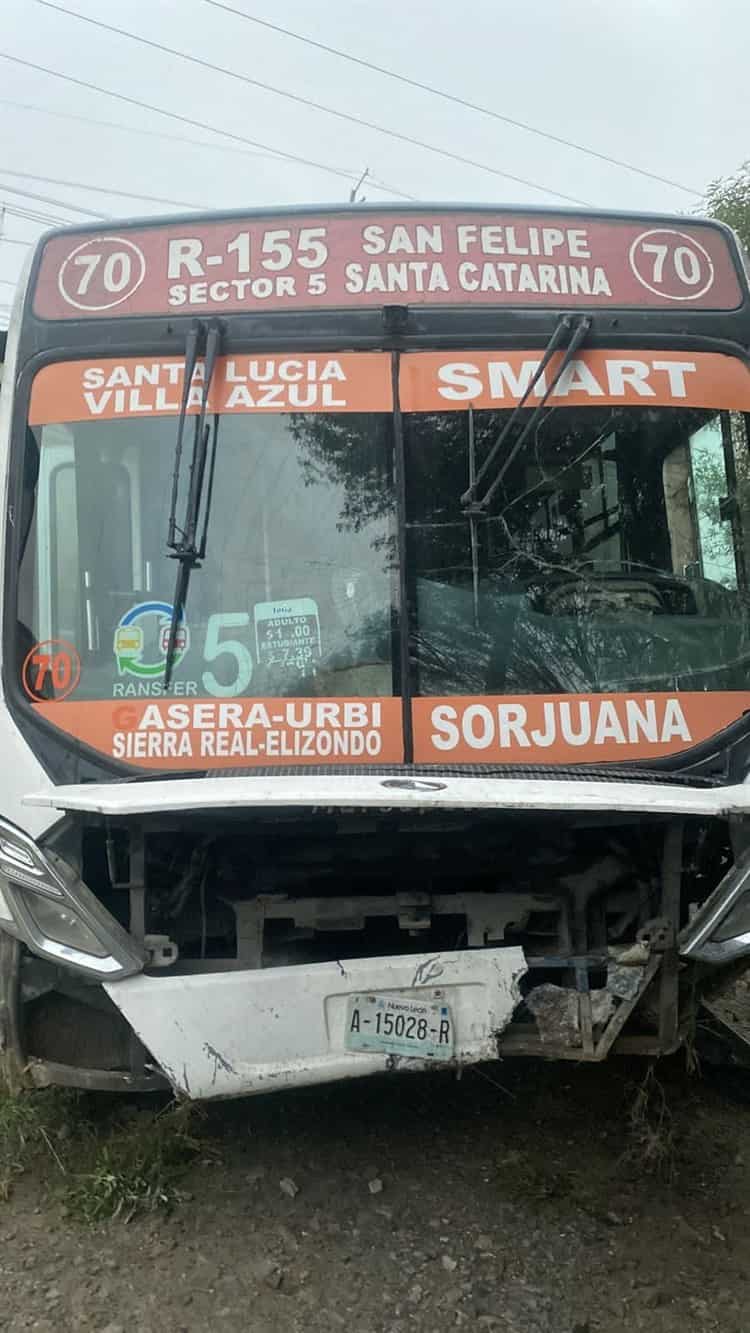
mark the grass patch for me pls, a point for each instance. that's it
(33, 1125)
(104, 1158)
(136, 1167)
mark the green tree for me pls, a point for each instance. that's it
(728, 200)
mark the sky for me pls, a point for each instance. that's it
(659, 84)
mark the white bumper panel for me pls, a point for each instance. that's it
(227, 1034)
(398, 792)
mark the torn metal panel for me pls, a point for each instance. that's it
(557, 1014)
(568, 1018)
(624, 979)
(228, 1034)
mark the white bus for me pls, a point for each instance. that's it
(375, 644)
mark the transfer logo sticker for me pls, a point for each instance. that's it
(142, 639)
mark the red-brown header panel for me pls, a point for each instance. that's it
(359, 259)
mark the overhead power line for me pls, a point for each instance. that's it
(100, 189)
(196, 124)
(47, 199)
(31, 214)
(314, 106)
(13, 240)
(271, 155)
(446, 96)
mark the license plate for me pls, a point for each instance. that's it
(399, 1026)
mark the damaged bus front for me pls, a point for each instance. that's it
(376, 632)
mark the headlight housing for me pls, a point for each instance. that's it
(21, 860)
(45, 904)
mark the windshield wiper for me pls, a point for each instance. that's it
(565, 329)
(182, 540)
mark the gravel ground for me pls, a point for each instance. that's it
(524, 1204)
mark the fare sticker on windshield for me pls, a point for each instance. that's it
(419, 257)
(287, 636)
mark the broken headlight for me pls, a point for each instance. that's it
(47, 906)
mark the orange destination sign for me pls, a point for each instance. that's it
(361, 382)
(237, 733)
(262, 733)
(569, 728)
(152, 386)
(439, 381)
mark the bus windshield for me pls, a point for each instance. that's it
(613, 555)
(345, 567)
(294, 594)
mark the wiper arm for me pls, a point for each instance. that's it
(181, 540)
(191, 356)
(477, 508)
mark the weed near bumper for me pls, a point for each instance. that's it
(102, 1162)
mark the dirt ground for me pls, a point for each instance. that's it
(519, 1198)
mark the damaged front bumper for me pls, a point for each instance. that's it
(228, 1034)
(244, 1028)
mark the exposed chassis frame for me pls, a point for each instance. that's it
(663, 962)
(662, 968)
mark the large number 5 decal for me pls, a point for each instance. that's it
(216, 647)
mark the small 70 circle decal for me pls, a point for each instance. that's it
(671, 264)
(51, 670)
(101, 273)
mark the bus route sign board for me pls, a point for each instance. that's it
(297, 261)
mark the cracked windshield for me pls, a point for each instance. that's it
(612, 555)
